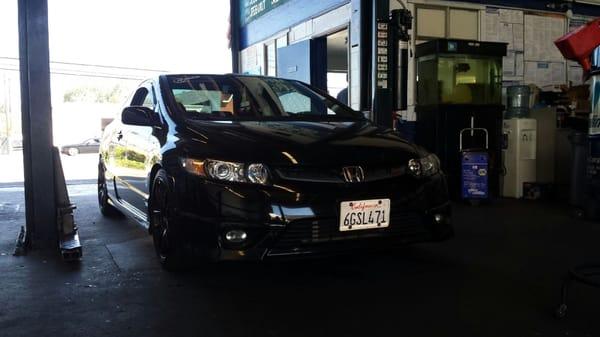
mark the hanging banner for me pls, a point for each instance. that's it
(253, 9)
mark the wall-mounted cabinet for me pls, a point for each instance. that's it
(446, 22)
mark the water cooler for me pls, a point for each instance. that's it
(519, 154)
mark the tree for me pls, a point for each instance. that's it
(88, 94)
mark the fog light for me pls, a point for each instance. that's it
(438, 218)
(236, 236)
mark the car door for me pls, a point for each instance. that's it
(85, 146)
(134, 161)
(91, 146)
(94, 146)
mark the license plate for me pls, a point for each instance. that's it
(364, 214)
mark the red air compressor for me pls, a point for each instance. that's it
(579, 44)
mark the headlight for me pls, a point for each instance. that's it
(424, 167)
(223, 170)
(227, 171)
(258, 174)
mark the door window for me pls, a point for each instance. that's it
(143, 97)
(149, 100)
(294, 102)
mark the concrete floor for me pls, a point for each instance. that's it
(500, 276)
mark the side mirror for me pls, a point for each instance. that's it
(140, 116)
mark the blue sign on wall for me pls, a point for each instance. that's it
(277, 16)
(253, 9)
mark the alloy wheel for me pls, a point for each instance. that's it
(160, 220)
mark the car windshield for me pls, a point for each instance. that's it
(230, 97)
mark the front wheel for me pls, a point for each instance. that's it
(105, 207)
(73, 151)
(168, 242)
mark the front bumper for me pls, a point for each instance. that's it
(302, 220)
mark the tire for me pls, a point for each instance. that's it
(106, 208)
(73, 151)
(578, 213)
(164, 227)
(561, 311)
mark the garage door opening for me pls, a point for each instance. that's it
(337, 65)
(12, 204)
(11, 141)
(95, 67)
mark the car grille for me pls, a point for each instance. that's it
(335, 175)
(315, 231)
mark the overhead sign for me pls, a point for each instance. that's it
(253, 9)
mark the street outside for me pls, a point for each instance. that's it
(80, 167)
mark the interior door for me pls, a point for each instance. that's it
(304, 61)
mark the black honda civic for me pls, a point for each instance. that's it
(232, 167)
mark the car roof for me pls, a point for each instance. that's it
(215, 75)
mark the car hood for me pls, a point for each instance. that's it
(298, 143)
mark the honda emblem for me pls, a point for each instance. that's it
(353, 174)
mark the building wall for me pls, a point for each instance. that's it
(289, 14)
(528, 24)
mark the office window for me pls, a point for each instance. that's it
(446, 22)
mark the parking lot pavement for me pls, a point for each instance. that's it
(500, 276)
(80, 167)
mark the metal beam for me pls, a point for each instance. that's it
(234, 34)
(381, 74)
(40, 200)
(360, 42)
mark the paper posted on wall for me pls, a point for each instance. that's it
(508, 65)
(519, 64)
(545, 73)
(575, 74)
(511, 16)
(492, 25)
(540, 33)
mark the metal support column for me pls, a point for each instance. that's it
(381, 65)
(400, 24)
(360, 51)
(234, 34)
(40, 200)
